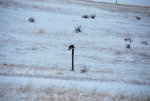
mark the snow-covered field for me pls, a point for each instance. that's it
(35, 64)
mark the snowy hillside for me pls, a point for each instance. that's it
(113, 49)
(127, 2)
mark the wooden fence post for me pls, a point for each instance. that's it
(72, 47)
(73, 59)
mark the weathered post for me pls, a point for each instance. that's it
(73, 59)
(72, 47)
(116, 1)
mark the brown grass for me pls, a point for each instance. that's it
(41, 31)
(38, 0)
(30, 93)
(34, 48)
(25, 89)
(60, 72)
(144, 54)
(5, 64)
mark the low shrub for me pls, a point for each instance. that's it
(138, 18)
(31, 19)
(128, 46)
(85, 16)
(144, 43)
(83, 69)
(128, 39)
(93, 16)
(78, 29)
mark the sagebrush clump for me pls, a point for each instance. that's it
(128, 46)
(138, 18)
(84, 69)
(144, 43)
(85, 16)
(93, 16)
(31, 19)
(78, 29)
(128, 39)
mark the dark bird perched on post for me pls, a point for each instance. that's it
(71, 47)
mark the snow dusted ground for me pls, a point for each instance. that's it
(35, 63)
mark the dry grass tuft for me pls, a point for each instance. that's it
(41, 31)
(25, 89)
(144, 54)
(34, 48)
(10, 65)
(123, 35)
(60, 72)
(84, 69)
(5, 64)
(118, 52)
(78, 29)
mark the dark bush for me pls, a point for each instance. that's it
(128, 39)
(138, 18)
(85, 16)
(93, 16)
(5, 64)
(128, 46)
(144, 43)
(31, 19)
(78, 29)
(84, 69)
